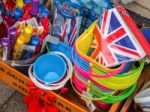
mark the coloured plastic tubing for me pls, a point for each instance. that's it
(33, 42)
(34, 7)
(20, 41)
(17, 13)
(113, 99)
(6, 44)
(121, 82)
(19, 3)
(109, 98)
(115, 72)
(84, 79)
(11, 34)
(115, 82)
(28, 33)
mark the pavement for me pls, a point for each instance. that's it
(11, 100)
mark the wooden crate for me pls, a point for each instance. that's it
(18, 81)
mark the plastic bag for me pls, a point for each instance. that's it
(67, 20)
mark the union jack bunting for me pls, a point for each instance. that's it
(114, 43)
(67, 21)
(69, 31)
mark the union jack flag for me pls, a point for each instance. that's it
(69, 31)
(68, 28)
(113, 42)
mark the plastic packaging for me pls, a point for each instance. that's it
(143, 98)
(67, 20)
(96, 9)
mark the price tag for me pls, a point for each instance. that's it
(27, 47)
(38, 30)
(89, 102)
(91, 107)
(5, 50)
(147, 59)
(32, 22)
(53, 40)
(45, 42)
(84, 93)
(20, 25)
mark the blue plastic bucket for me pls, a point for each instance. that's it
(49, 68)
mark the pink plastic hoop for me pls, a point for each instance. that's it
(95, 83)
(80, 86)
